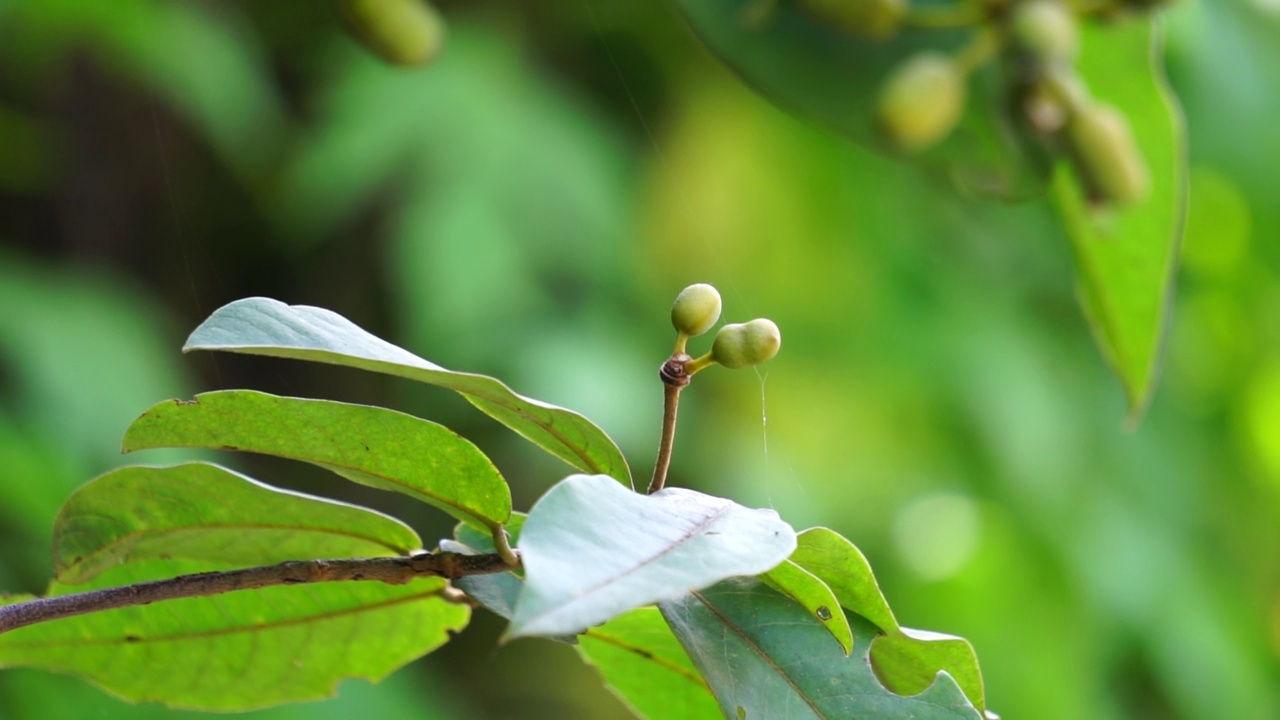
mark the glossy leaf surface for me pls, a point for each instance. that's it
(202, 512)
(370, 445)
(644, 665)
(1128, 256)
(765, 656)
(813, 68)
(593, 550)
(241, 650)
(261, 326)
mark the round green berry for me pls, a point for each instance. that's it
(402, 32)
(745, 344)
(1046, 29)
(696, 309)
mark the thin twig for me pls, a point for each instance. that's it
(392, 570)
(674, 379)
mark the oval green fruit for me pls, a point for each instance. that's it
(1106, 155)
(744, 344)
(402, 32)
(869, 18)
(921, 101)
(1046, 29)
(696, 309)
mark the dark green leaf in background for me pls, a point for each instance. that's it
(373, 446)
(592, 550)
(241, 650)
(644, 664)
(203, 512)
(809, 66)
(1128, 256)
(261, 326)
(765, 656)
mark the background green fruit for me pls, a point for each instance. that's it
(869, 18)
(1106, 155)
(402, 32)
(921, 101)
(745, 344)
(696, 309)
(1046, 29)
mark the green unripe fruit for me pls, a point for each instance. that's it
(1106, 155)
(922, 100)
(402, 32)
(696, 309)
(1046, 29)
(868, 18)
(745, 344)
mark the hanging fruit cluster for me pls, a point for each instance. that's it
(923, 97)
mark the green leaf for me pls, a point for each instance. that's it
(262, 326)
(1128, 256)
(241, 650)
(593, 550)
(765, 656)
(809, 66)
(815, 596)
(373, 446)
(644, 665)
(842, 566)
(907, 661)
(203, 512)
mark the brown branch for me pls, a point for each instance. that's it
(393, 570)
(674, 379)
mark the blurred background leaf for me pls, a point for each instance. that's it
(938, 401)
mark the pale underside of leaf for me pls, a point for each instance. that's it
(593, 550)
(262, 326)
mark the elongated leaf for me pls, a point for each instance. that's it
(643, 664)
(765, 656)
(804, 63)
(905, 660)
(842, 566)
(1128, 256)
(261, 326)
(369, 445)
(815, 596)
(199, 511)
(241, 650)
(593, 550)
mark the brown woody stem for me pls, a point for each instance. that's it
(393, 570)
(674, 378)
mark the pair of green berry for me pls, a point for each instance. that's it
(737, 345)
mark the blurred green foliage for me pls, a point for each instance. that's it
(938, 400)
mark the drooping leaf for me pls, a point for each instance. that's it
(593, 550)
(202, 512)
(262, 326)
(765, 656)
(643, 664)
(1128, 255)
(803, 63)
(241, 650)
(907, 661)
(370, 445)
(815, 596)
(842, 566)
